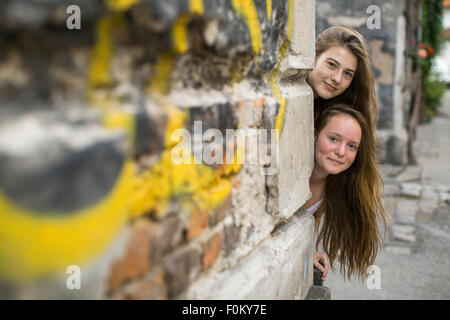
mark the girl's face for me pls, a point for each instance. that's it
(337, 144)
(333, 72)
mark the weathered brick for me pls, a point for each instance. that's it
(136, 260)
(211, 249)
(151, 287)
(180, 268)
(149, 242)
(165, 236)
(198, 221)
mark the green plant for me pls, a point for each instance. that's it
(433, 89)
(432, 40)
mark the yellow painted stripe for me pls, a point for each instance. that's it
(290, 18)
(247, 9)
(277, 93)
(33, 245)
(196, 6)
(99, 73)
(159, 82)
(269, 9)
(120, 5)
(179, 34)
(280, 117)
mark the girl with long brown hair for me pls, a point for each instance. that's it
(342, 74)
(346, 191)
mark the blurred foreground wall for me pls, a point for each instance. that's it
(392, 30)
(106, 110)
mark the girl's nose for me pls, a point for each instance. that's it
(340, 150)
(337, 76)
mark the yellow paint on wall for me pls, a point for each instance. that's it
(119, 119)
(188, 183)
(269, 9)
(100, 79)
(290, 18)
(99, 73)
(247, 9)
(280, 118)
(176, 120)
(33, 245)
(179, 34)
(277, 93)
(159, 82)
(196, 6)
(120, 5)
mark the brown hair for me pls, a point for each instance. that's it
(352, 204)
(361, 92)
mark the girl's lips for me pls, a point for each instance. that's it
(330, 87)
(335, 161)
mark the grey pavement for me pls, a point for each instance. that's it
(414, 262)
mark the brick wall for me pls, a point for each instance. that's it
(87, 145)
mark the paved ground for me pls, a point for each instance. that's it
(415, 261)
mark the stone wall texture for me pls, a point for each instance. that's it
(88, 141)
(391, 45)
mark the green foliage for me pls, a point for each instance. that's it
(433, 90)
(432, 40)
(432, 27)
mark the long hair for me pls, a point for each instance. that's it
(352, 205)
(361, 92)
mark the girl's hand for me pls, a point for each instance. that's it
(321, 262)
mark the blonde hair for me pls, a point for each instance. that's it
(352, 204)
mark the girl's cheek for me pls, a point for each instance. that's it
(324, 146)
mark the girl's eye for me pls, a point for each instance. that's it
(352, 146)
(333, 139)
(349, 75)
(331, 64)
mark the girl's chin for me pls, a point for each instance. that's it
(326, 94)
(334, 171)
